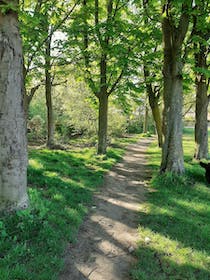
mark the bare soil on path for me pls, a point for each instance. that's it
(107, 238)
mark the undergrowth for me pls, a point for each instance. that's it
(174, 229)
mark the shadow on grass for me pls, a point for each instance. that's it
(178, 219)
(157, 265)
(177, 222)
(60, 188)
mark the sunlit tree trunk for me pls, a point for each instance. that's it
(13, 148)
(173, 37)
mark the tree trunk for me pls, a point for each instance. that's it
(153, 102)
(146, 118)
(48, 94)
(102, 123)
(201, 111)
(158, 121)
(13, 151)
(172, 150)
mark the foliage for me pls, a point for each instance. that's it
(76, 115)
(60, 188)
(174, 229)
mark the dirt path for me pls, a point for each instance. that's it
(108, 236)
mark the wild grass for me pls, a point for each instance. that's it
(61, 184)
(174, 224)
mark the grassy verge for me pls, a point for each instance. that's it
(61, 184)
(174, 225)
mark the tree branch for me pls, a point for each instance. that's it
(183, 25)
(116, 82)
(53, 30)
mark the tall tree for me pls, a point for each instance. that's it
(153, 93)
(201, 31)
(175, 22)
(13, 152)
(104, 49)
(151, 57)
(42, 20)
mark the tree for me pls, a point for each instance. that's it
(42, 50)
(104, 50)
(13, 152)
(153, 93)
(151, 56)
(201, 33)
(175, 22)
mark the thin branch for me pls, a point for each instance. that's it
(116, 82)
(53, 30)
(182, 28)
(190, 107)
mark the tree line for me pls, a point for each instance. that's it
(120, 48)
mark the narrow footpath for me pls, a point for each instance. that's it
(107, 238)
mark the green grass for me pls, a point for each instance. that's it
(175, 222)
(61, 184)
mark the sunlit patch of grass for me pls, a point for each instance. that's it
(174, 228)
(61, 184)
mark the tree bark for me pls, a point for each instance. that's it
(201, 111)
(48, 94)
(158, 121)
(13, 151)
(146, 118)
(153, 102)
(102, 123)
(172, 150)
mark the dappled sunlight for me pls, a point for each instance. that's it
(167, 249)
(124, 203)
(174, 232)
(58, 197)
(35, 164)
(197, 207)
(51, 174)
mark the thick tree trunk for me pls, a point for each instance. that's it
(172, 150)
(201, 111)
(102, 123)
(48, 94)
(13, 150)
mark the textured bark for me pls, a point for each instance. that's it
(48, 94)
(201, 111)
(13, 150)
(172, 150)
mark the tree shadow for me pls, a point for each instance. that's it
(159, 265)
